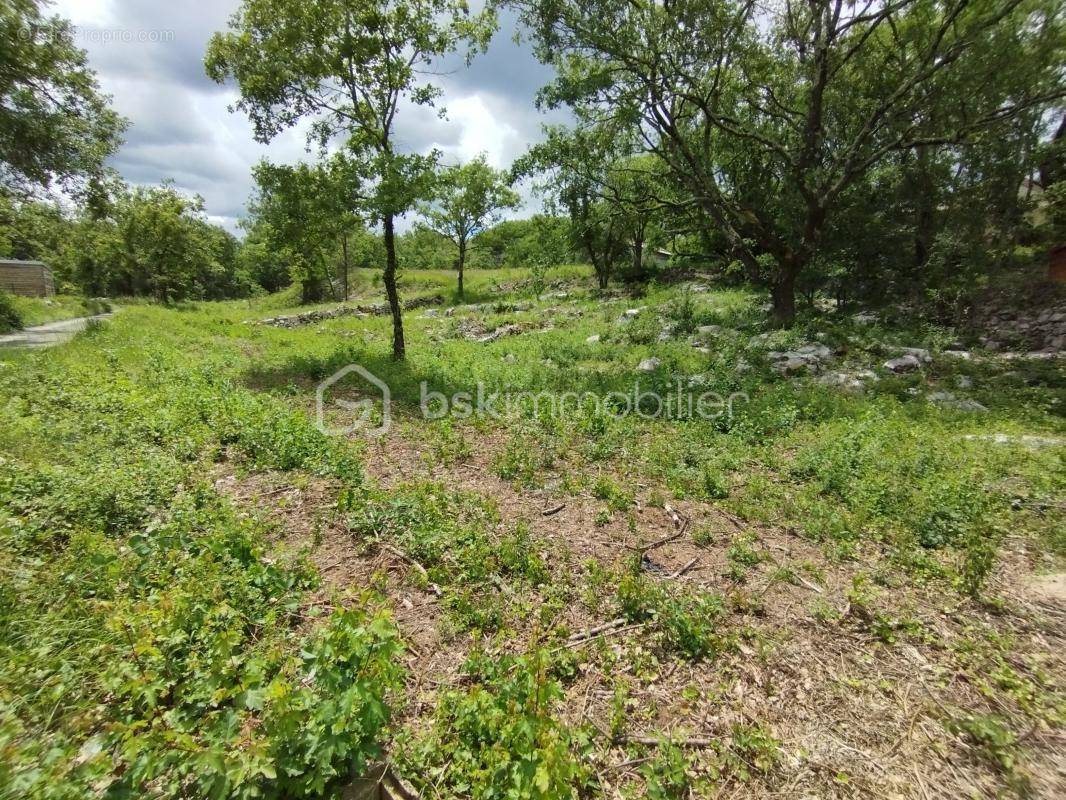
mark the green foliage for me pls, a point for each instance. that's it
(688, 624)
(467, 199)
(10, 318)
(56, 125)
(450, 534)
(153, 643)
(499, 738)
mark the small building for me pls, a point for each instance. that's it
(1057, 265)
(26, 278)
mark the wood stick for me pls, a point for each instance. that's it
(665, 540)
(551, 512)
(684, 569)
(590, 632)
(651, 741)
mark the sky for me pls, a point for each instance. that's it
(148, 55)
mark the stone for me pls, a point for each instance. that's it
(792, 365)
(818, 351)
(1032, 442)
(742, 365)
(948, 400)
(843, 381)
(903, 364)
(709, 330)
(649, 365)
(865, 318)
(919, 353)
(594, 339)
(964, 381)
(963, 355)
(632, 313)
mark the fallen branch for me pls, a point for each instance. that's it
(684, 569)
(665, 540)
(588, 634)
(421, 570)
(553, 511)
(601, 635)
(651, 741)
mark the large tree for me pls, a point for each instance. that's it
(302, 210)
(767, 115)
(55, 125)
(348, 65)
(468, 199)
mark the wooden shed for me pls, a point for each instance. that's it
(1057, 267)
(26, 278)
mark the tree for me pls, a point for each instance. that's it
(768, 115)
(305, 215)
(469, 198)
(348, 65)
(609, 196)
(55, 125)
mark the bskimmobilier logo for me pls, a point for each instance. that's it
(351, 400)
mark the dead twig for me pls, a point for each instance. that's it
(588, 634)
(684, 569)
(651, 741)
(551, 512)
(659, 543)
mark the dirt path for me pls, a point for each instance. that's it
(50, 334)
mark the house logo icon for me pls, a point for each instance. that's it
(347, 402)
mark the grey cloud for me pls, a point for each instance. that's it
(181, 127)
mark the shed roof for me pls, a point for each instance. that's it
(15, 262)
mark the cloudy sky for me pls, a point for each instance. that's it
(149, 56)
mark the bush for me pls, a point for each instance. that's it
(10, 318)
(499, 738)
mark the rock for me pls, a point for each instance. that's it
(948, 400)
(842, 380)
(964, 381)
(903, 364)
(632, 313)
(594, 339)
(431, 313)
(702, 349)
(865, 318)
(919, 353)
(649, 365)
(818, 351)
(792, 364)
(1032, 442)
(742, 365)
(709, 330)
(510, 358)
(963, 355)
(666, 334)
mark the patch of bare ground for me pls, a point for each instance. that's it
(871, 686)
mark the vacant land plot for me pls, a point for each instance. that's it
(833, 578)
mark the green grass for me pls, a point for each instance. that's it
(152, 637)
(42, 310)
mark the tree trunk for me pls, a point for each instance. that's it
(638, 255)
(461, 264)
(398, 350)
(783, 295)
(924, 222)
(344, 248)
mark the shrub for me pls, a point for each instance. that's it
(10, 318)
(499, 738)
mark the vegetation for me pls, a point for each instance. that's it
(594, 520)
(162, 602)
